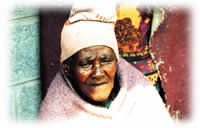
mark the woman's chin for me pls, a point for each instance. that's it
(99, 98)
(98, 93)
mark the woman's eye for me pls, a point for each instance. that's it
(85, 65)
(106, 61)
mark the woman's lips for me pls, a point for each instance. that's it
(98, 84)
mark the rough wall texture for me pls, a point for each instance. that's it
(171, 47)
(24, 73)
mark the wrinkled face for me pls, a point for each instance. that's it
(94, 70)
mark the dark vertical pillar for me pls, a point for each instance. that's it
(51, 23)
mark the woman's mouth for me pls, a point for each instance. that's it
(98, 84)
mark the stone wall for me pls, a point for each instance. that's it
(24, 64)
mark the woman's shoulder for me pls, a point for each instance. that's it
(129, 74)
(52, 105)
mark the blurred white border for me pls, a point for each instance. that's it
(7, 5)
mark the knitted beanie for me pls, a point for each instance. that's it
(88, 26)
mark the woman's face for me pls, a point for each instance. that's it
(94, 70)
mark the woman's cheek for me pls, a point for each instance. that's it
(82, 75)
(111, 70)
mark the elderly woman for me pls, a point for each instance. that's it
(94, 82)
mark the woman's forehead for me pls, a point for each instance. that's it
(95, 51)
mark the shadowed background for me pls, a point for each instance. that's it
(51, 23)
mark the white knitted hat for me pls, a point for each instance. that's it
(88, 27)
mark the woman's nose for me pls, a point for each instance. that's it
(97, 71)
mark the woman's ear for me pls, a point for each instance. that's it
(66, 69)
